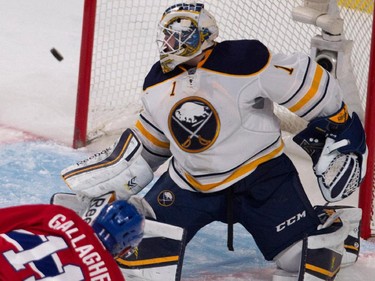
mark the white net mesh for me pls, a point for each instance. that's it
(125, 48)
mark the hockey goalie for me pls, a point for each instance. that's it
(208, 110)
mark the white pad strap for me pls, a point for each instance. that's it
(120, 168)
(142, 206)
(331, 145)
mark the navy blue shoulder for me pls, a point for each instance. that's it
(238, 57)
(156, 75)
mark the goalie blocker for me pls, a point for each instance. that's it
(337, 147)
(120, 168)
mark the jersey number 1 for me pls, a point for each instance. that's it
(287, 69)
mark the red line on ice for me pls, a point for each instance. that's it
(10, 134)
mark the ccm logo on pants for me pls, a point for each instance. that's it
(290, 221)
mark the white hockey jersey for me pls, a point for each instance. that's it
(217, 119)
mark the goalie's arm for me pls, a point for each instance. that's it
(155, 144)
(299, 84)
(120, 168)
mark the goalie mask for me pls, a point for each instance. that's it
(185, 30)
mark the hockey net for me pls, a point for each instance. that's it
(118, 48)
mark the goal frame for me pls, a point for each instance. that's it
(83, 99)
(367, 188)
(84, 74)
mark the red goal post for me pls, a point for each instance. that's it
(367, 190)
(84, 75)
(118, 47)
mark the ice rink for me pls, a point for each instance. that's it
(37, 108)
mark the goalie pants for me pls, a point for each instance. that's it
(270, 203)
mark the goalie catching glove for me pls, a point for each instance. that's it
(120, 168)
(337, 147)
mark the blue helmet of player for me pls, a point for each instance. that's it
(120, 227)
(185, 30)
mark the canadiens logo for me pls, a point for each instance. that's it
(194, 124)
(166, 198)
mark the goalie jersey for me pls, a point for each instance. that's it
(49, 242)
(217, 119)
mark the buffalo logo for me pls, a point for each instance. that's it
(194, 124)
(166, 198)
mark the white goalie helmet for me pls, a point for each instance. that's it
(184, 31)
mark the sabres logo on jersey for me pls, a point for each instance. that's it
(194, 124)
(166, 198)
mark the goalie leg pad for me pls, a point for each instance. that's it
(159, 256)
(352, 217)
(120, 168)
(315, 258)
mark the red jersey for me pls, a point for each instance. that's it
(50, 242)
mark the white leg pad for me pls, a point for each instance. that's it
(282, 275)
(352, 217)
(316, 258)
(290, 259)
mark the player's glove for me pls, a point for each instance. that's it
(337, 147)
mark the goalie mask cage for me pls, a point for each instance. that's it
(118, 48)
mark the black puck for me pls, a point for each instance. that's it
(56, 54)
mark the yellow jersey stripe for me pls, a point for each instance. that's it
(150, 137)
(238, 173)
(351, 247)
(311, 92)
(206, 56)
(147, 261)
(341, 117)
(322, 270)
